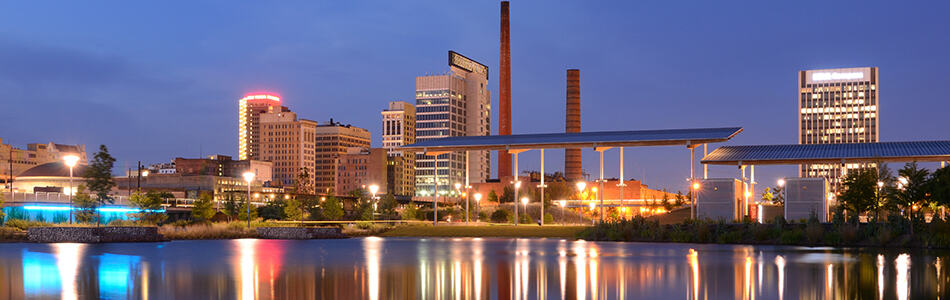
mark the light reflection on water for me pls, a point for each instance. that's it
(387, 268)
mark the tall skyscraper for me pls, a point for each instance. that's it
(333, 140)
(290, 144)
(837, 106)
(399, 128)
(454, 104)
(249, 110)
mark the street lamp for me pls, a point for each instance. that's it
(592, 206)
(478, 199)
(524, 201)
(693, 198)
(562, 203)
(781, 182)
(373, 189)
(515, 200)
(70, 161)
(248, 177)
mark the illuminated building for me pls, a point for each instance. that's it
(333, 140)
(250, 109)
(837, 106)
(457, 103)
(399, 128)
(15, 161)
(290, 144)
(361, 167)
(219, 165)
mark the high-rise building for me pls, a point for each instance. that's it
(249, 110)
(333, 140)
(361, 167)
(14, 161)
(457, 103)
(291, 145)
(837, 106)
(399, 128)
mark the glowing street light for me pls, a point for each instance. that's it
(562, 203)
(478, 199)
(248, 177)
(515, 200)
(581, 185)
(524, 201)
(373, 188)
(71, 161)
(780, 182)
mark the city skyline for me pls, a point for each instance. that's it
(746, 78)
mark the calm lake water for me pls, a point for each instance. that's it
(464, 268)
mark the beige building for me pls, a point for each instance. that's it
(399, 128)
(837, 106)
(457, 103)
(361, 167)
(333, 140)
(289, 144)
(15, 161)
(250, 109)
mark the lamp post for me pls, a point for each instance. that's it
(693, 199)
(515, 200)
(373, 189)
(592, 207)
(478, 199)
(524, 201)
(248, 177)
(562, 210)
(70, 161)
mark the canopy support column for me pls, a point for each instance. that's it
(435, 185)
(542, 186)
(516, 181)
(601, 193)
(621, 184)
(467, 188)
(705, 166)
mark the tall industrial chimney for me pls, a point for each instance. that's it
(572, 123)
(504, 93)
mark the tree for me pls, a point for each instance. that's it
(332, 208)
(273, 210)
(203, 209)
(302, 182)
(246, 212)
(387, 205)
(939, 186)
(293, 210)
(150, 207)
(1, 205)
(680, 199)
(667, 205)
(231, 207)
(860, 190)
(911, 193)
(99, 176)
(85, 205)
(507, 195)
(411, 212)
(492, 196)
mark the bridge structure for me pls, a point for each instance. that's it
(599, 141)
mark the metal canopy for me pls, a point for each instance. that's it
(666, 137)
(830, 153)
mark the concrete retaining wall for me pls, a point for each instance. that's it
(107, 234)
(300, 233)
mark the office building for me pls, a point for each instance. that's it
(290, 144)
(249, 110)
(15, 161)
(332, 140)
(457, 103)
(220, 166)
(360, 168)
(399, 128)
(837, 106)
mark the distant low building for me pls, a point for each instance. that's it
(224, 166)
(361, 167)
(15, 161)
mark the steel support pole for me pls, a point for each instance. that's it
(542, 186)
(602, 186)
(622, 184)
(692, 195)
(467, 187)
(514, 165)
(435, 192)
(751, 188)
(71, 195)
(705, 167)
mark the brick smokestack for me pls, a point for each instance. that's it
(572, 157)
(504, 93)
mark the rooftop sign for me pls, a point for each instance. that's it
(467, 64)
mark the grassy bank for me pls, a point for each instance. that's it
(526, 231)
(894, 233)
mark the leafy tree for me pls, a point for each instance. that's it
(231, 207)
(84, 204)
(246, 212)
(667, 204)
(860, 191)
(150, 205)
(680, 199)
(507, 195)
(2, 215)
(99, 176)
(939, 186)
(411, 212)
(912, 191)
(203, 209)
(332, 208)
(293, 210)
(273, 210)
(387, 205)
(492, 196)
(302, 182)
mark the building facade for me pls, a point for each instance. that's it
(15, 161)
(290, 144)
(399, 128)
(331, 141)
(837, 106)
(221, 166)
(250, 109)
(457, 103)
(360, 168)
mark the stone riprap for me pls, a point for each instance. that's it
(300, 233)
(108, 234)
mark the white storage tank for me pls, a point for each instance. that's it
(721, 199)
(804, 197)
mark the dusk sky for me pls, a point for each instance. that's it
(159, 81)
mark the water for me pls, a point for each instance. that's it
(408, 268)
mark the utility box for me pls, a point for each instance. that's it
(806, 196)
(721, 199)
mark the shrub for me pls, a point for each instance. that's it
(792, 236)
(548, 218)
(24, 224)
(500, 216)
(814, 232)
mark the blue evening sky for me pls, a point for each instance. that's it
(155, 81)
